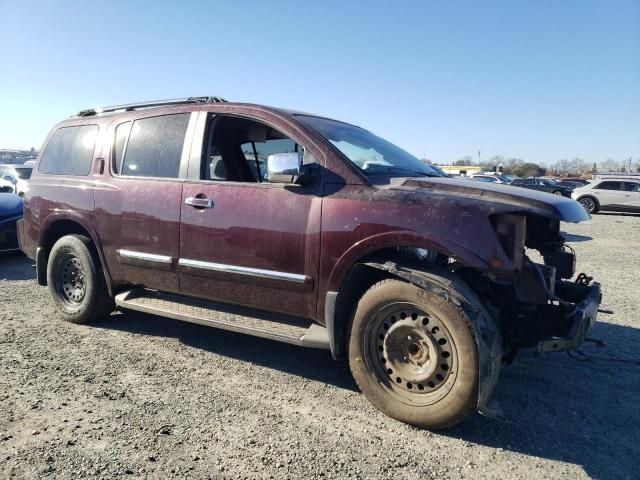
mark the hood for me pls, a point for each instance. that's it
(10, 205)
(521, 199)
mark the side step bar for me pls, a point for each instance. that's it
(236, 319)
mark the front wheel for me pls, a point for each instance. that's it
(589, 204)
(76, 282)
(413, 354)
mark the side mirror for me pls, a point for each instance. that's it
(284, 167)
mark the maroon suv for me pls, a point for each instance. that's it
(307, 230)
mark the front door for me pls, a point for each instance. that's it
(243, 240)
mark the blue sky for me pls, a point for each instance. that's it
(539, 80)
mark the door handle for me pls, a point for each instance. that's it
(199, 202)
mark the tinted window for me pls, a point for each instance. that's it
(24, 173)
(122, 132)
(529, 181)
(631, 186)
(610, 186)
(70, 151)
(517, 181)
(155, 146)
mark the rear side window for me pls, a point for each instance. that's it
(70, 151)
(610, 186)
(154, 147)
(631, 187)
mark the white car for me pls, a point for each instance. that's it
(493, 178)
(16, 175)
(621, 194)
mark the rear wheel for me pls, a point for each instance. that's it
(558, 192)
(413, 354)
(76, 282)
(589, 204)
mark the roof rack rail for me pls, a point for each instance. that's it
(155, 103)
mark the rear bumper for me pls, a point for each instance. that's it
(582, 319)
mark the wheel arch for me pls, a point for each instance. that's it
(592, 197)
(57, 226)
(353, 275)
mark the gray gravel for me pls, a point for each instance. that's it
(146, 397)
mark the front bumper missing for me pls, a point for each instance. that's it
(582, 319)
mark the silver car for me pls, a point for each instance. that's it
(622, 195)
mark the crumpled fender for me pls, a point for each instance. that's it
(486, 333)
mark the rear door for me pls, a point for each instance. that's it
(138, 209)
(632, 195)
(242, 240)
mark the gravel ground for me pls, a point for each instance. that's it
(146, 397)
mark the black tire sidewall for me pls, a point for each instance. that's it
(460, 400)
(595, 204)
(78, 247)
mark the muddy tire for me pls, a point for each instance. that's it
(76, 282)
(413, 353)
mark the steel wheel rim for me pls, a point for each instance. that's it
(588, 204)
(412, 354)
(72, 285)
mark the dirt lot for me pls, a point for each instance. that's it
(146, 397)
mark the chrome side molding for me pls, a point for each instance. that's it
(255, 272)
(149, 257)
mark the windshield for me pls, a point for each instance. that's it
(371, 154)
(24, 173)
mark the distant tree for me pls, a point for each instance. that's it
(611, 165)
(594, 169)
(511, 165)
(530, 170)
(466, 160)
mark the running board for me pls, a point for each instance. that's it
(236, 319)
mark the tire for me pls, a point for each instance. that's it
(76, 282)
(590, 204)
(557, 192)
(395, 330)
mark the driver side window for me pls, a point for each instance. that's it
(237, 150)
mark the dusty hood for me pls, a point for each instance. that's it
(523, 199)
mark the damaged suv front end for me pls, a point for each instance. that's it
(539, 305)
(525, 275)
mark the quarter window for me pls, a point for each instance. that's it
(122, 133)
(70, 151)
(154, 148)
